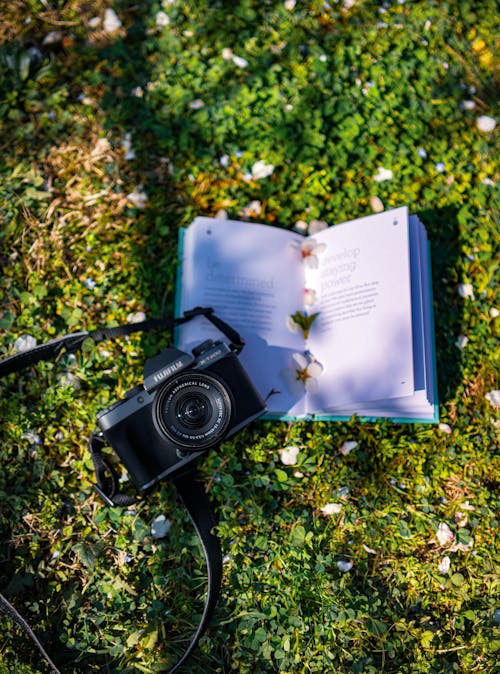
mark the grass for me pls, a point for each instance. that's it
(327, 96)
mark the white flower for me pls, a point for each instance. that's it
(252, 209)
(290, 4)
(261, 170)
(493, 397)
(344, 566)
(439, 167)
(300, 226)
(465, 290)
(488, 181)
(24, 343)
(89, 283)
(444, 534)
(310, 297)
(304, 374)
(292, 325)
(444, 565)
(68, 379)
(331, 509)
(160, 527)
(348, 446)
(197, 104)
(486, 124)
(288, 455)
(137, 92)
(94, 22)
(240, 61)
(288, 107)
(376, 204)
(111, 21)
(224, 160)
(445, 428)
(382, 174)
(309, 250)
(138, 197)
(316, 226)
(137, 317)
(323, 58)
(52, 37)
(468, 105)
(493, 312)
(227, 54)
(127, 146)
(421, 152)
(462, 341)
(162, 19)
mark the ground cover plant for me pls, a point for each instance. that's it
(349, 547)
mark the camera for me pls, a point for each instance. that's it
(187, 404)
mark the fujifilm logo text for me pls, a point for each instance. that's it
(159, 376)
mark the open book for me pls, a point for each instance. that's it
(337, 324)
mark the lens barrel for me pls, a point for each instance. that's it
(193, 410)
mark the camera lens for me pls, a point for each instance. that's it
(193, 410)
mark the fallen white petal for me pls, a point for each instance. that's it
(300, 226)
(261, 170)
(462, 341)
(494, 312)
(311, 385)
(331, 509)
(445, 428)
(309, 297)
(370, 550)
(444, 534)
(444, 565)
(493, 397)
(136, 317)
(197, 104)
(465, 290)
(288, 455)
(24, 343)
(300, 360)
(160, 527)
(485, 123)
(314, 369)
(52, 37)
(138, 197)
(382, 174)
(227, 54)
(344, 566)
(111, 21)
(240, 61)
(348, 446)
(162, 19)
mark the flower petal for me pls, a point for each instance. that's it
(331, 509)
(311, 385)
(444, 534)
(300, 360)
(314, 369)
(288, 455)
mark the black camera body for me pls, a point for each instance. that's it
(188, 404)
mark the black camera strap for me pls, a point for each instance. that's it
(190, 489)
(74, 340)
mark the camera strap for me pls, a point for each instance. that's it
(190, 489)
(74, 340)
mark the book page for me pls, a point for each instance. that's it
(363, 334)
(253, 278)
